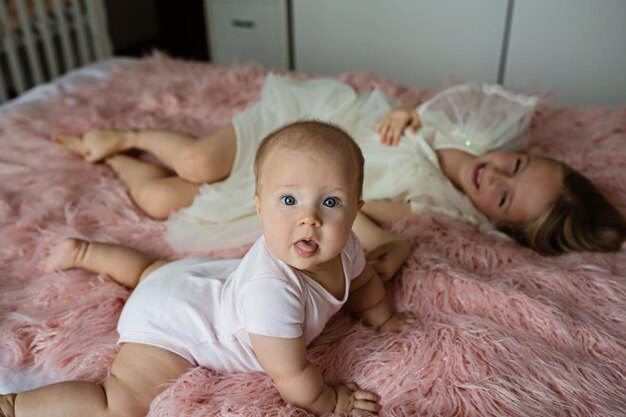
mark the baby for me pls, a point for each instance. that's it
(254, 314)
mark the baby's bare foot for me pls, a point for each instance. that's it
(65, 255)
(96, 145)
(399, 322)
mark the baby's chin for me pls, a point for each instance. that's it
(303, 264)
(310, 263)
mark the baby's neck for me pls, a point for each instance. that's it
(451, 161)
(329, 275)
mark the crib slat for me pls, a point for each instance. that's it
(46, 36)
(63, 31)
(29, 43)
(79, 28)
(51, 37)
(99, 31)
(10, 49)
(4, 96)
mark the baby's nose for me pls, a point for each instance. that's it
(310, 218)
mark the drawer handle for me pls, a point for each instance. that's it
(247, 24)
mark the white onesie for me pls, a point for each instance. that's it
(204, 309)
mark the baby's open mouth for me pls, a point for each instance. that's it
(306, 247)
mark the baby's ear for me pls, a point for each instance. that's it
(258, 204)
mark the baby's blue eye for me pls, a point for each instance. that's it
(288, 200)
(330, 202)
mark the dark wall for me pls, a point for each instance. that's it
(177, 28)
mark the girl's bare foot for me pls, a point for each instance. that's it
(96, 145)
(70, 142)
(116, 162)
(66, 254)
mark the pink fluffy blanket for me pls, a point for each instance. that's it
(505, 332)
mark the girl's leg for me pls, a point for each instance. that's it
(125, 265)
(151, 188)
(208, 159)
(96, 145)
(134, 382)
(385, 251)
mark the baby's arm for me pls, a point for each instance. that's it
(384, 250)
(369, 302)
(301, 383)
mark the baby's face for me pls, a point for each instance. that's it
(307, 203)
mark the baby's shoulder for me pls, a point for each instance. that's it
(260, 264)
(354, 255)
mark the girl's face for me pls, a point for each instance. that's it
(307, 203)
(511, 187)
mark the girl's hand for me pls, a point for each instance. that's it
(399, 322)
(391, 126)
(351, 398)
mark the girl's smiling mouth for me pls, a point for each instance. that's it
(477, 175)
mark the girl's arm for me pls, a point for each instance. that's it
(301, 383)
(385, 211)
(368, 301)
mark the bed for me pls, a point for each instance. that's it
(504, 332)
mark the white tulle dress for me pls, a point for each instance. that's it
(476, 118)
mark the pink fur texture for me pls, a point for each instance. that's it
(505, 332)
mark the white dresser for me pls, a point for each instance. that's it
(242, 31)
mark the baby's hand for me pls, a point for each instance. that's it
(351, 398)
(399, 322)
(386, 259)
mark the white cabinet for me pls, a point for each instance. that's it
(417, 42)
(242, 31)
(575, 49)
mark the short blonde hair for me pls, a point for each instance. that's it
(308, 135)
(581, 219)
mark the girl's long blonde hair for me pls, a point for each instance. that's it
(581, 219)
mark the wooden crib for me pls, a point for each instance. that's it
(42, 39)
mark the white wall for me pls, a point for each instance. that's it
(573, 48)
(418, 42)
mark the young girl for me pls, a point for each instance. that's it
(447, 166)
(254, 314)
